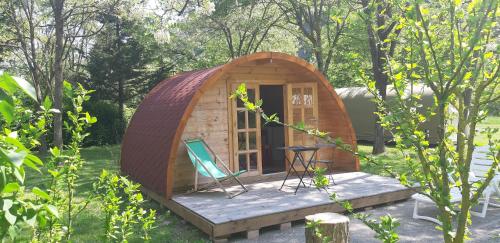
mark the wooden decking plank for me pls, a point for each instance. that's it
(271, 190)
(270, 200)
(192, 217)
(187, 214)
(265, 205)
(277, 218)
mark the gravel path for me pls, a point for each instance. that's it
(411, 230)
(485, 230)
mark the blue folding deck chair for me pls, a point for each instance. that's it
(205, 163)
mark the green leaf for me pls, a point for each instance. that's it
(15, 142)
(37, 191)
(55, 151)
(26, 87)
(53, 173)
(6, 204)
(19, 174)
(28, 162)
(52, 210)
(68, 89)
(16, 158)
(11, 187)
(8, 84)
(34, 159)
(47, 103)
(30, 217)
(10, 217)
(398, 76)
(467, 75)
(7, 111)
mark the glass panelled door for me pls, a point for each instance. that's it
(302, 109)
(246, 135)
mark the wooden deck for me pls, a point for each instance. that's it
(264, 205)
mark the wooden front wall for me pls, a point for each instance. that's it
(210, 118)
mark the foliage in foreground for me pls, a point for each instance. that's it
(47, 213)
(16, 141)
(450, 49)
(122, 202)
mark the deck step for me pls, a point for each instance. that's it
(286, 226)
(252, 234)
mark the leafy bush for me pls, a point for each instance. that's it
(108, 130)
(47, 211)
(20, 131)
(122, 203)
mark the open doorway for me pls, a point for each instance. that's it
(272, 135)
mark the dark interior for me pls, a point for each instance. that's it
(272, 135)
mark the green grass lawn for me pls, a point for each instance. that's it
(490, 121)
(170, 228)
(89, 225)
(392, 158)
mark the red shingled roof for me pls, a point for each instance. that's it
(149, 137)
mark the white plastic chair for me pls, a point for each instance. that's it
(479, 168)
(456, 197)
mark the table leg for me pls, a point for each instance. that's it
(290, 169)
(306, 166)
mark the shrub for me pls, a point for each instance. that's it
(108, 130)
(122, 202)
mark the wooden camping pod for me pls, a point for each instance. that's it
(197, 104)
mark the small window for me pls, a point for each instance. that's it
(241, 120)
(242, 141)
(242, 160)
(253, 161)
(252, 121)
(252, 140)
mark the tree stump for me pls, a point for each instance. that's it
(332, 225)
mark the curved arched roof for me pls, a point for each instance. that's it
(150, 143)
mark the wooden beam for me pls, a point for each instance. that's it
(188, 215)
(299, 214)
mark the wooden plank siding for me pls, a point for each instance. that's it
(331, 120)
(208, 121)
(211, 116)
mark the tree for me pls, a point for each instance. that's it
(58, 9)
(24, 17)
(321, 23)
(450, 47)
(241, 27)
(126, 60)
(383, 29)
(49, 40)
(245, 25)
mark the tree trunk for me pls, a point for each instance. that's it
(57, 7)
(381, 84)
(378, 53)
(121, 108)
(121, 83)
(379, 141)
(332, 227)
